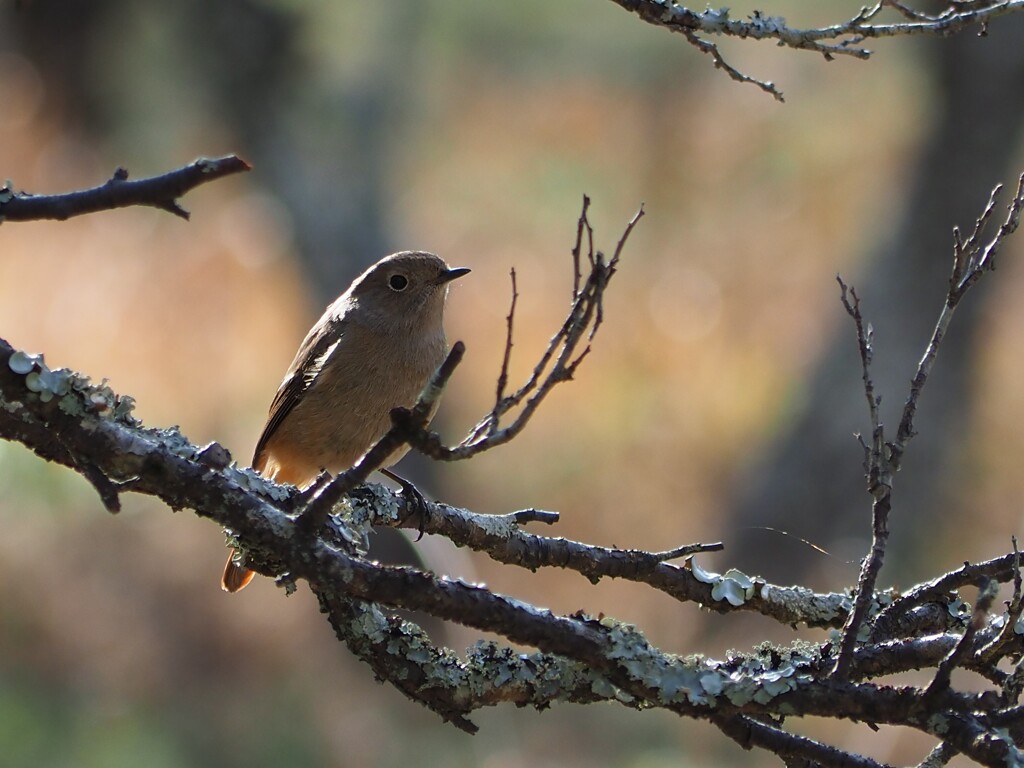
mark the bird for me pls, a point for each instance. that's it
(374, 348)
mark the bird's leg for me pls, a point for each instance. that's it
(411, 493)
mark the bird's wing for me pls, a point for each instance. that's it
(314, 351)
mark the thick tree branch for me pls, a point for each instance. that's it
(583, 659)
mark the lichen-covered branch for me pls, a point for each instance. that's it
(61, 416)
(118, 192)
(884, 18)
(399, 652)
(501, 537)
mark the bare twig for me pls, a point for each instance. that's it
(842, 39)
(711, 49)
(582, 225)
(865, 339)
(879, 479)
(507, 356)
(749, 732)
(157, 191)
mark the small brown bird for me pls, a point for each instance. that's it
(374, 349)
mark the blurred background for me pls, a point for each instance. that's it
(719, 400)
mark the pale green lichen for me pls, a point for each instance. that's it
(756, 679)
(938, 724)
(72, 406)
(408, 641)
(674, 679)
(958, 609)
(175, 442)
(48, 384)
(287, 583)
(371, 624)
(124, 407)
(864, 632)
(702, 682)
(805, 605)
(713, 16)
(249, 479)
(24, 362)
(356, 536)
(11, 407)
(1014, 756)
(379, 505)
(712, 682)
(499, 526)
(760, 678)
(489, 668)
(77, 394)
(733, 586)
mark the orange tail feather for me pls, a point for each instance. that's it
(236, 576)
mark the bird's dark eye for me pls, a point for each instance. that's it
(398, 282)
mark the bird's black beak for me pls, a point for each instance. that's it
(452, 274)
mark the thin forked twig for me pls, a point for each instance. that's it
(865, 341)
(705, 46)
(971, 258)
(970, 261)
(559, 361)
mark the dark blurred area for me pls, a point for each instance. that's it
(718, 402)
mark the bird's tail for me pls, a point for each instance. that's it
(269, 464)
(236, 576)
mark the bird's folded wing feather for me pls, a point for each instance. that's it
(314, 351)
